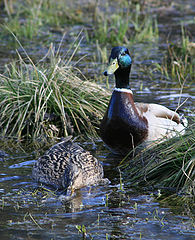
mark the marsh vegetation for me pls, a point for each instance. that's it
(52, 56)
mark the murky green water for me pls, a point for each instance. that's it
(107, 212)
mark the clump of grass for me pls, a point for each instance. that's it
(48, 100)
(179, 62)
(179, 203)
(169, 164)
(32, 18)
(145, 27)
(111, 30)
(23, 29)
(8, 5)
(59, 13)
(124, 27)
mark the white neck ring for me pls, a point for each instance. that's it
(123, 90)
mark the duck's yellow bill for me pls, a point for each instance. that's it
(113, 66)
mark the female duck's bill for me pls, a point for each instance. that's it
(127, 124)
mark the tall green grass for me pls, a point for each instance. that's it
(48, 99)
(31, 19)
(37, 20)
(123, 26)
(169, 164)
(179, 61)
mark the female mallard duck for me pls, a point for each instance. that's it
(68, 166)
(127, 124)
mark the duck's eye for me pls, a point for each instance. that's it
(123, 53)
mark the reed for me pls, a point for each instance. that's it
(169, 164)
(30, 20)
(48, 99)
(179, 60)
(123, 27)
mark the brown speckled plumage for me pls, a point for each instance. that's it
(67, 165)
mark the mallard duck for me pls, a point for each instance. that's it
(127, 124)
(66, 165)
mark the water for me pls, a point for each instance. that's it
(119, 213)
(112, 211)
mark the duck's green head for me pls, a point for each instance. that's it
(118, 60)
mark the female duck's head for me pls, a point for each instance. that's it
(120, 64)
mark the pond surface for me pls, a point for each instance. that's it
(107, 212)
(113, 211)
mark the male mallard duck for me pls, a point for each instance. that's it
(68, 166)
(127, 124)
